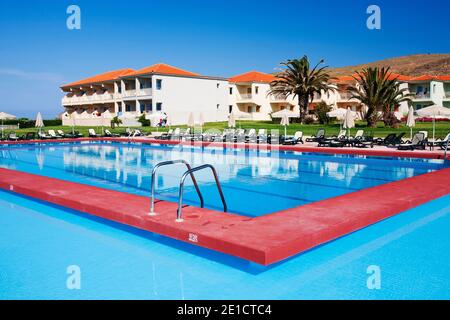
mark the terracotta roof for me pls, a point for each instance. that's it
(161, 68)
(425, 77)
(253, 76)
(107, 76)
(346, 78)
(443, 78)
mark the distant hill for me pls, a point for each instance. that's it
(414, 65)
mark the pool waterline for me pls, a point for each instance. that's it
(284, 179)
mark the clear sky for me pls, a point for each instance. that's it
(38, 52)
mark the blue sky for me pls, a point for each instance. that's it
(38, 53)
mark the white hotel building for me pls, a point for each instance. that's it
(165, 90)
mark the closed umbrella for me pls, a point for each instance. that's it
(106, 118)
(39, 122)
(201, 122)
(285, 123)
(349, 121)
(433, 112)
(410, 121)
(191, 122)
(231, 121)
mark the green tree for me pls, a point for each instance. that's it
(321, 111)
(115, 122)
(379, 90)
(299, 81)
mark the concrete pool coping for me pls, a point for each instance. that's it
(266, 239)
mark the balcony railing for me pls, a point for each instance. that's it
(87, 98)
(244, 96)
(345, 96)
(420, 95)
(144, 92)
(129, 93)
(277, 97)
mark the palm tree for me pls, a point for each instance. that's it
(378, 89)
(298, 80)
(115, 122)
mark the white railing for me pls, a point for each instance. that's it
(129, 93)
(244, 96)
(345, 96)
(87, 98)
(277, 97)
(421, 95)
(145, 92)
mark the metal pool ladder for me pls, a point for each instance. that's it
(190, 172)
(445, 152)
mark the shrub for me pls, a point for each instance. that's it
(308, 120)
(144, 121)
(321, 111)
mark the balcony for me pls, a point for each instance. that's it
(421, 96)
(84, 99)
(244, 97)
(129, 93)
(144, 92)
(277, 98)
(345, 96)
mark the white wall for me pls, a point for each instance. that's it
(180, 96)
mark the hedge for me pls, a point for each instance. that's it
(26, 123)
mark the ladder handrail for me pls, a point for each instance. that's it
(190, 172)
(166, 163)
(445, 151)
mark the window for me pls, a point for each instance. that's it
(218, 106)
(127, 108)
(231, 90)
(158, 84)
(256, 90)
(230, 108)
(249, 90)
(218, 85)
(158, 106)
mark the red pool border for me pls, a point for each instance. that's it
(265, 240)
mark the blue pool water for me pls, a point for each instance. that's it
(254, 182)
(39, 242)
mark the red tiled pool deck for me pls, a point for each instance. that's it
(265, 240)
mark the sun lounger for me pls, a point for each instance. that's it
(53, 134)
(13, 137)
(262, 136)
(418, 142)
(43, 136)
(297, 138)
(92, 133)
(251, 136)
(320, 135)
(110, 134)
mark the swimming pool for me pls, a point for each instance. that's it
(38, 242)
(255, 182)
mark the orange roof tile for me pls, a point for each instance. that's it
(107, 76)
(161, 68)
(425, 77)
(253, 76)
(443, 78)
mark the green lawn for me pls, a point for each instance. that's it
(442, 128)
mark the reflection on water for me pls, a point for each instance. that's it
(254, 182)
